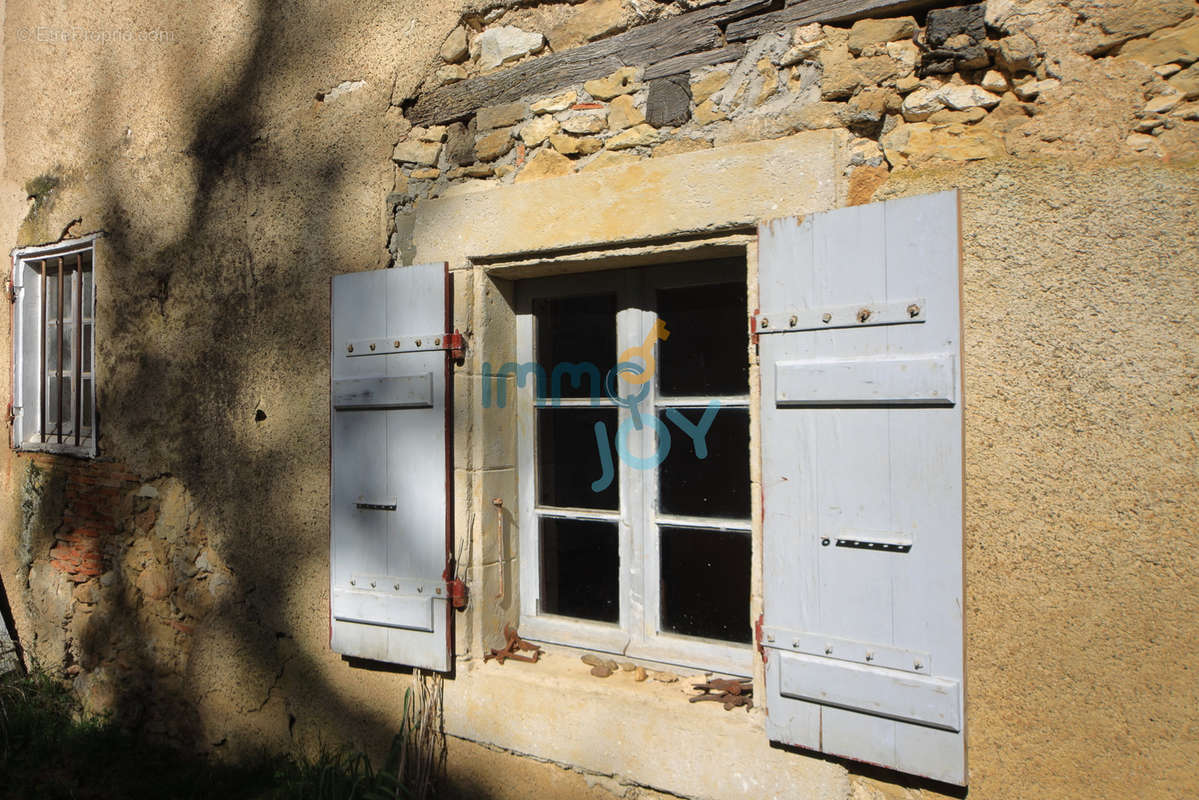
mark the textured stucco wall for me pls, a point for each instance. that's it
(231, 194)
(1082, 577)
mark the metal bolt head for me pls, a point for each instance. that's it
(828, 650)
(870, 656)
(793, 321)
(350, 348)
(439, 590)
(770, 637)
(418, 588)
(372, 584)
(825, 541)
(437, 341)
(418, 342)
(826, 317)
(795, 643)
(765, 323)
(396, 344)
(863, 314)
(372, 345)
(397, 587)
(919, 665)
(353, 582)
(913, 310)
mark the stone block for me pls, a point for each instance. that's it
(552, 105)
(493, 145)
(498, 46)
(416, 152)
(669, 101)
(623, 113)
(546, 163)
(501, 116)
(708, 85)
(608, 159)
(1187, 82)
(460, 144)
(538, 129)
(841, 80)
(585, 122)
(588, 21)
(454, 50)
(866, 32)
(674, 147)
(625, 80)
(634, 137)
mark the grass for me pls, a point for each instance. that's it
(50, 749)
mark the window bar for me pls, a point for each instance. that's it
(42, 350)
(78, 345)
(60, 337)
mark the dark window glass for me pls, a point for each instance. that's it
(705, 583)
(706, 351)
(714, 486)
(570, 461)
(576, 334)
(580, 569)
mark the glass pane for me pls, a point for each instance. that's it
(87, 290)
(68, 406)
(51, 405)
(576, 334)
(68, 347)
(86, 416)
(87, 348)
(706, 352)
(705, 583)
(580, 569)
(714, 486)
(573, 469)
(51, 290)
(51, 348)
(68, 289)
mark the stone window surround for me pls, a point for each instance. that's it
(690, 206)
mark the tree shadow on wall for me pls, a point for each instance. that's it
(197, 325)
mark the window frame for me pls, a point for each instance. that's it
(637, 634)
(27, 435)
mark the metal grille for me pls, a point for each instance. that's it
(65, 364)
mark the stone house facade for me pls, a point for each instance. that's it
(171, 557)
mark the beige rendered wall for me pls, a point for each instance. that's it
(230, 195)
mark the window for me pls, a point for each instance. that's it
(634, 393)
(54, 386)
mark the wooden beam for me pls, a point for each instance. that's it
(807, 11)
(659, 41)
(673, 66)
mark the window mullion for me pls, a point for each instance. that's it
(629, 334)
(61, 337)
(43, 401)
(78, 385)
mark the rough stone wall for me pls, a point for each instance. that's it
(966, 83)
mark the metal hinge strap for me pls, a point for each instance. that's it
(454, 342)
(860, 315)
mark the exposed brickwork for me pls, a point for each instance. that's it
(96, 505)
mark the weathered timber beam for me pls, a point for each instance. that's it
(673, 66)
(648, 44)
(821, 11)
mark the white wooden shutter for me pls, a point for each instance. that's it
(390, 466)
(862, 467)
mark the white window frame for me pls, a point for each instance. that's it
(27, 316)
(636, 635)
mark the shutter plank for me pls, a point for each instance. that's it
(877, 475)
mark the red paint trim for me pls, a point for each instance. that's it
(450, 356)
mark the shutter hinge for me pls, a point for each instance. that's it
(456, 344)
(9, 415)
(456, 590)
(758, 638)
(9, 290)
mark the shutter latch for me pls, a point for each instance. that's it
(456, 590)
